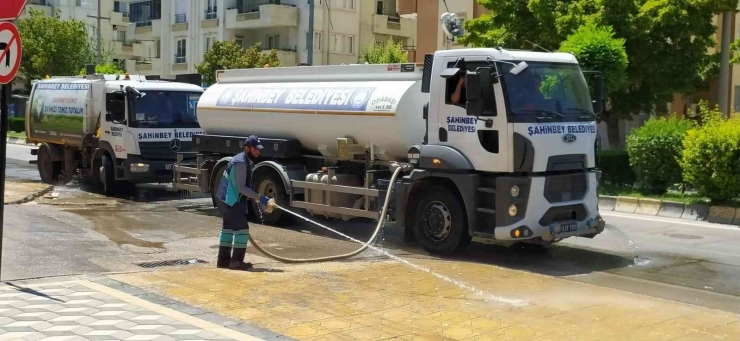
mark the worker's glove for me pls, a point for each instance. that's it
(264, 200)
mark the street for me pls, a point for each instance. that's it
(75, 231)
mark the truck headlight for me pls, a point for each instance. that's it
(139, 167)
(515, 191)
(512, 210)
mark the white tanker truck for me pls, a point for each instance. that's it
(514, 159)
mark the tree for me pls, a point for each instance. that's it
(52, 46)
(225, 55)
(108, 68)
(390, 52)
(666, 42)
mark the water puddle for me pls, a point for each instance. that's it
(462, 285)
(109, 225)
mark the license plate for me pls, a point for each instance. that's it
(168, 167)
(571, 227)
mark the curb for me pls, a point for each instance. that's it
(18, 140)
(31, 197)
(670, 209)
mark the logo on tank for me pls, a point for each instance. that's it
(225, 98)
(360, 98)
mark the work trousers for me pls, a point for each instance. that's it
(235, 227)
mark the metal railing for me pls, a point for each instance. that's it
(393, 19)
(254, 6)
(144, 23)
(180, 59)
(181, 18)
(41, 2)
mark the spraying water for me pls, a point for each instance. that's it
(459, 284)
(633, 248)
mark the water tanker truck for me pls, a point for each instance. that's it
(111, 129)
(511, 158)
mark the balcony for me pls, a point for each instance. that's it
(148, 66)
(119, 18)
(394, 26)
(262, 16)
(210, 18)
(44, 6)
(148, 30)
(126, 49)
(180, 63)
(406, 7)
(181, 23)
(287, 56)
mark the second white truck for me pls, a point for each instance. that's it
(494, 143)
(113, 129)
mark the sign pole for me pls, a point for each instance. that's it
(6, 93)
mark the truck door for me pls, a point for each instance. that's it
(483, 140)
(115, 122)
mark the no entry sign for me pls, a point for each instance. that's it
(10, 52)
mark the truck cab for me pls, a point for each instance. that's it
(524, 123)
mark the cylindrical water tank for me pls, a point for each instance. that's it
(387, 113)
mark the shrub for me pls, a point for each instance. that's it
(711, 156)
(615, 168)
(17, 124)
(654, 150)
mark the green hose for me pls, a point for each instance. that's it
(378, 228)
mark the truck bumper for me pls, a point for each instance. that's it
(548, 208)
(140, 170)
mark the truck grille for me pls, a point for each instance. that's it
(568, 187)
(161, 150)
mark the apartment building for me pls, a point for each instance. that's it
(427, 15)
(174, 34)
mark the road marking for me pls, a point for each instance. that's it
(673, 221)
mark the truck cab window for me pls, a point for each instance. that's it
(455, 87)
(115, 106)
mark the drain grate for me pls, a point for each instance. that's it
(171, 263)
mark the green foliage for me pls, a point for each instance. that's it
(108, 68)
(711, 156)
(596, 49)
(390, 52)
(17, 124)
(615, 167)
(666, 41)
(654, 152)
(52, 46)
(225, 55)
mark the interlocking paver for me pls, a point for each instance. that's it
(78, 311)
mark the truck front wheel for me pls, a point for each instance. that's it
(439, 223)
(107, 177)
(49, 170)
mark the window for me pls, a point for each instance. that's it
(342, 43)
(453, 82)
(379, 7)
(345, 4)
(163, 109)
(273, 42)
(181, 51)
(86, 3)
(315, 2)
(181, 11)
(121, 36)
(146, 11)
(239, 41)
(119, 7)
(209, 43)
(316, 41)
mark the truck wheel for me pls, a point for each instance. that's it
(269, 184)
(439, 223)
(49, 170)
(107, 176)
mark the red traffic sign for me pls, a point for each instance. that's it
(11, 9)
(10, 52)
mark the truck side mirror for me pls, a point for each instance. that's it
(479, 93)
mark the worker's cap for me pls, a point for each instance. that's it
(253, 141)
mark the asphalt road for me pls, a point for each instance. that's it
(82, 232)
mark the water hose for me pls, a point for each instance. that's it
(364, 246)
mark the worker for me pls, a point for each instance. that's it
(233, 194)
(459, 96)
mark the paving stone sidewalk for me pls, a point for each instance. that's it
(75, 308)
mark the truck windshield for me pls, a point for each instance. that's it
(165, 109)
(553, 90)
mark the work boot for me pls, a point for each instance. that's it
(237, 260)
(224, 257)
